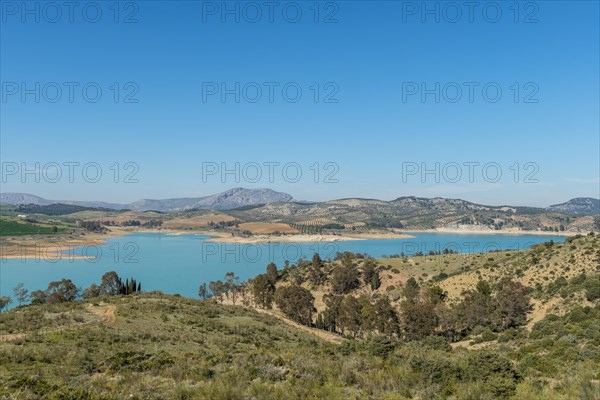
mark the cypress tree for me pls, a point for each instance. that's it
(120, 285)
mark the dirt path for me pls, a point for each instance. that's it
(539, 311)
(327, 336)
(106, 312)
(12, 336)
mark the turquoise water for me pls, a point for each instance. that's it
(178, 264)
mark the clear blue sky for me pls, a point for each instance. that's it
(373, 55)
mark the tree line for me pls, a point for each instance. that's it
(65, 290)
(100, 226)
(422, 310)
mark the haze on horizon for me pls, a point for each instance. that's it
(293, 198)
(502, 112)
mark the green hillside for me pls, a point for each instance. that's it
(153, 346)
(406, 339)
(13, 228)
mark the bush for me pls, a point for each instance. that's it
(496, 371)
(126, 361)
(435, 368)
(592, 288)
(508, 335)
(381, 346)
(487, 335)
(539, 364)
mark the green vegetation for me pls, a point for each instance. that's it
(411, 213)
(413, 341)
(10, 227)
(168, 347)
(54, 209)
(65, 291)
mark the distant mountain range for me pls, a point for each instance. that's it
(228, 200)
(579, 205)
(409, 212)
(239, 197)
(417, 213)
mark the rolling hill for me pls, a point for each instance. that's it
(230, 199)
(156, 346)
(406, 213)
(579, 205)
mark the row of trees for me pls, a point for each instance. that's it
(354, 315)
(223, 224)
(65, 290)
(342, 278)
(294, 301)
(151, 223)
(421, 312)
(93, 226)
(112, 285)
(230, 289)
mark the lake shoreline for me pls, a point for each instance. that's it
(460, 231)
(301, 238)
(60, 246)
(26, 247)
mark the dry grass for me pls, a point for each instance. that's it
(119, 218)
(258, 228)
(199, 221)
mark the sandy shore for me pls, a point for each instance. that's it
(281, 239)
(223, 237)
(306, 238)
(376, 235)
(55, 247)
(510, 231)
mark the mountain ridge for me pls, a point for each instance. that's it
(227, 200)
(240, 197)
(578, 205)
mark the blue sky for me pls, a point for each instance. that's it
(369, 128)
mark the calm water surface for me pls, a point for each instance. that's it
(179, 263)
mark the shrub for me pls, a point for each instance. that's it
(381, 346)
(592, 288)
